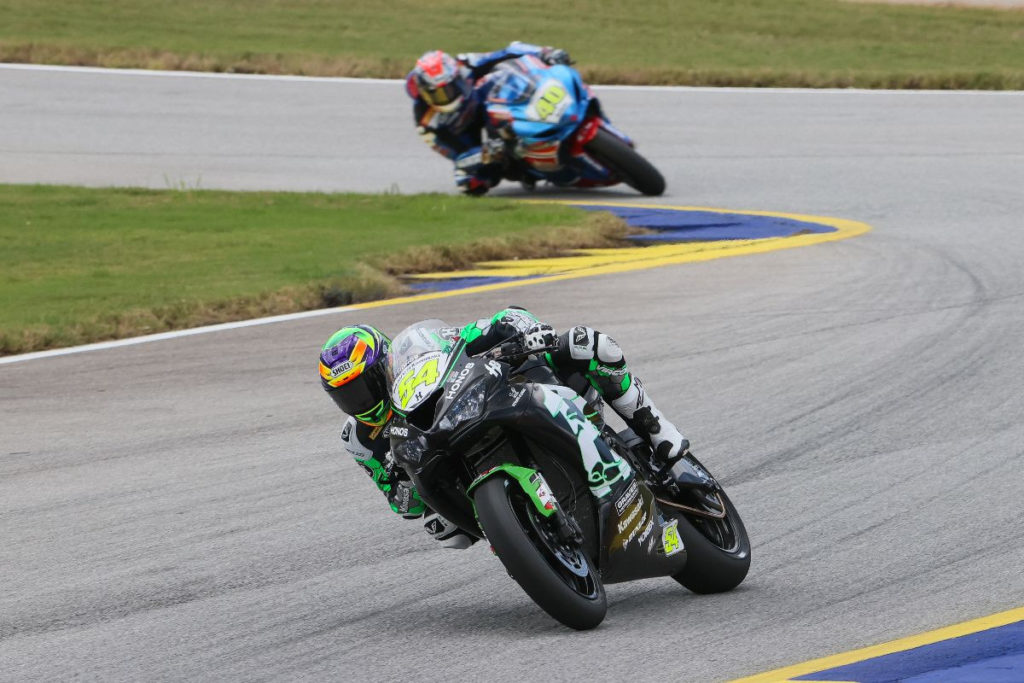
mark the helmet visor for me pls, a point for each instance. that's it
(362, 395)
(443, 95)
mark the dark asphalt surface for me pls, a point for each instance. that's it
(181, 509)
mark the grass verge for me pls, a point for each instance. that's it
(814, 43)
(80, 265)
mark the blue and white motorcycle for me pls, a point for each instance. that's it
(553, 128)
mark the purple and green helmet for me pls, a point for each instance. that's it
(353, 366)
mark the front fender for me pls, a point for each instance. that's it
(529, 480)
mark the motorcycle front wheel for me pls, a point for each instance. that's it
(557, 576)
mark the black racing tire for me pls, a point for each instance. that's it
(711, 568)
(504, 513)
(624, 162)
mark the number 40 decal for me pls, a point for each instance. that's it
(553, 94)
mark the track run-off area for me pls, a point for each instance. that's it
(182, 508)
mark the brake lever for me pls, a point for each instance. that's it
(513, 350)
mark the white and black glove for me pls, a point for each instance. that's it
(427, 135)
(538, 337)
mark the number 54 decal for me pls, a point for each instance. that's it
(670, 540)
(425, 375)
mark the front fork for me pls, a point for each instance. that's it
(535, 487)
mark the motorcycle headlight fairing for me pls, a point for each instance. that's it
(468, 406)
(411, 450)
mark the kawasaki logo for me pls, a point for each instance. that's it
(624, 524)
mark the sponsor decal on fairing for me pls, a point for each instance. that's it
(627, 497)
(455, 384)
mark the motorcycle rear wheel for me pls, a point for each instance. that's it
(624, 162)
(718, 550)
(558, 577)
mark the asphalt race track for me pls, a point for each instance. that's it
(181, 510)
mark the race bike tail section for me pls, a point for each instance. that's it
(709, 525)
(555, 130)
(495, 446)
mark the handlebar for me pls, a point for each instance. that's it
(514, 349)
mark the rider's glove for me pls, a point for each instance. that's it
(403, 499)
(540, 336)
(401, 494)
(555, 55)
(427, 135)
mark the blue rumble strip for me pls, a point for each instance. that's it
(707, 226)
(992, 656)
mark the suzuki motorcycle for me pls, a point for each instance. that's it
(555, 130)
(497, 445)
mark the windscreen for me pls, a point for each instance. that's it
(512, 86)
(419, 358)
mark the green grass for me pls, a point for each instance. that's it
(79, 265)
(726, 42)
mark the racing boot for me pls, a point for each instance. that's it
(644, 418)
(446, 533)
